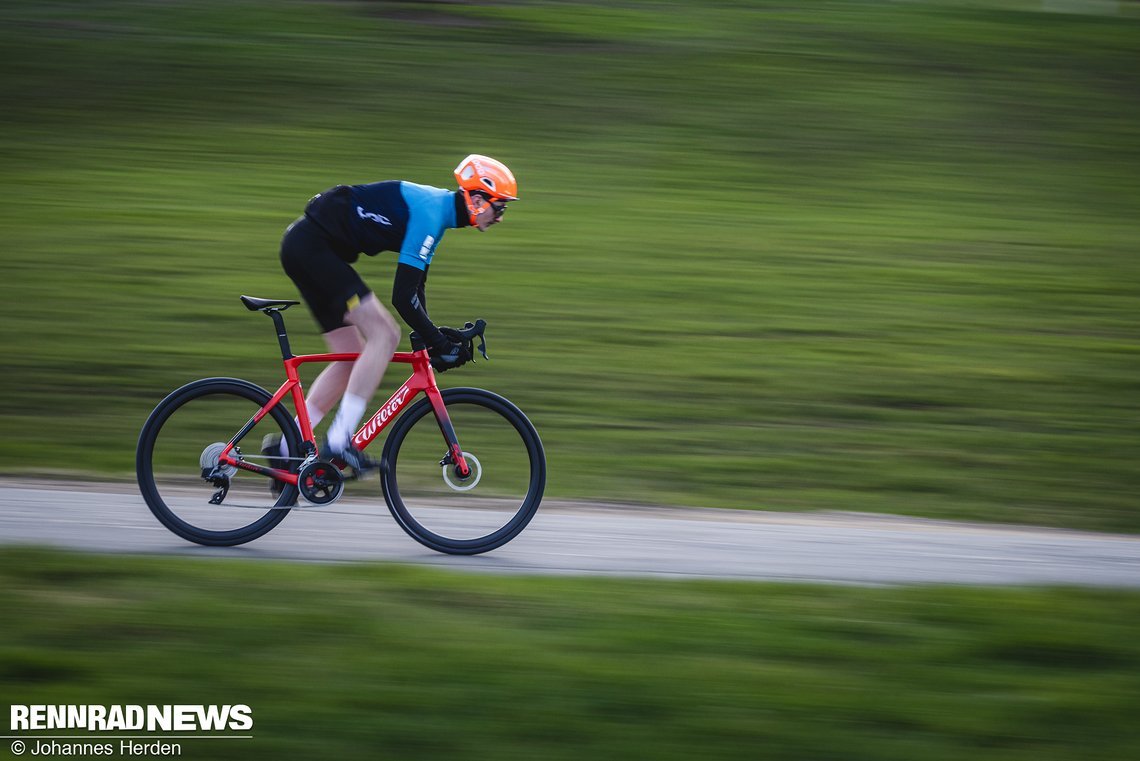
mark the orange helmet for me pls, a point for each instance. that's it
(487, 176)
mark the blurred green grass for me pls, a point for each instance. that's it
(854, 255)
(356, 661)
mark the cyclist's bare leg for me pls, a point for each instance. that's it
(381, 336)
(327, 389)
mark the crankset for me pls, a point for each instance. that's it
(320, 482)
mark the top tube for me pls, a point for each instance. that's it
(407, 357)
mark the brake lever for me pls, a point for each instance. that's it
(482, 347)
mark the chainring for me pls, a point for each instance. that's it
(320, 482)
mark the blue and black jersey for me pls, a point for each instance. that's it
(386, 216)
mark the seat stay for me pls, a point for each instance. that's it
(292, 384)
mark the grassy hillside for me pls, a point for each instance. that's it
(854, 255)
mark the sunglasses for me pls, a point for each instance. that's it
(499, 207)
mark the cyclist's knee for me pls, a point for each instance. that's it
(393, 334)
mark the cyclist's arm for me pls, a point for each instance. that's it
(422, 292)
(410, 299)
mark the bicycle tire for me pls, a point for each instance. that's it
(501, 429)
(169, 489)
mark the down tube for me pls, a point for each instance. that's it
(391, 409)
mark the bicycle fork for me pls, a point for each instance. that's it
(454, 457)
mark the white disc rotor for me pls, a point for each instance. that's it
(470, 482)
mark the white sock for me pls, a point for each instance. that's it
(347, 418)
(315, 416)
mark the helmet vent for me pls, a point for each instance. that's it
(488, 182)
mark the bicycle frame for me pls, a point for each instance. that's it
(421, 380)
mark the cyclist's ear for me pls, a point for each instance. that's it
(480, 199)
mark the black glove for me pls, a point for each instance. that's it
(451, 334)
(448, 352)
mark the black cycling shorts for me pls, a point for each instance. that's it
(328, 284)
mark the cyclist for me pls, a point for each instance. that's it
(318, 251)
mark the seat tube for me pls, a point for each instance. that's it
(294, 377)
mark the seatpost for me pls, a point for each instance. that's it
(282, 337)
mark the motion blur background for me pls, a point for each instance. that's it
(856, 255)
(875, 256)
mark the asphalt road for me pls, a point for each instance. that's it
(569, 538)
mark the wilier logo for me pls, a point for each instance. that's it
(390, 408)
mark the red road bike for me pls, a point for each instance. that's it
(462, 470)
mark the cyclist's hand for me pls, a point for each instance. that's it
(448, 354)
(451, 334)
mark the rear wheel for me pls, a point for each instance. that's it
(183, 438)
(464, 516)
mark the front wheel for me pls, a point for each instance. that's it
(464, 516)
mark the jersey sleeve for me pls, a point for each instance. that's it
(410, 301)
(427, 220)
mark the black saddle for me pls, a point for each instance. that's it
(255, 304)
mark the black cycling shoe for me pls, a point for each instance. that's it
(271, 448)
(350, 457)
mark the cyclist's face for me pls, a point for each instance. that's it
(490, 212)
